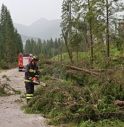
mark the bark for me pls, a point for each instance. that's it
(68, 50)
(82, 69)
(107, 29)
(119, 103)
(91, 33)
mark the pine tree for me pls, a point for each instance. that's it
(11, 43)
(66, 25)
(108, 10)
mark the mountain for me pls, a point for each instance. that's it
(42, 28)
(24, 38)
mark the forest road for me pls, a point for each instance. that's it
(11, 114)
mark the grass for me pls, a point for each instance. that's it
(100, 57)
(103, 123)
(65, 57)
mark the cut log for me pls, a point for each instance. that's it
(119, 103)
(82, 69)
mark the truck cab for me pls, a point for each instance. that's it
(23, 60)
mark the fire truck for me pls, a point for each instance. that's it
(23, 60)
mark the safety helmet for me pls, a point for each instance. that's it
(35, 58)
(30, 55)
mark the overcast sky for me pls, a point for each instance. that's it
(28, 11)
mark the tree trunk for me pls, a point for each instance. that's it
(77, 54)
(61, 54)
(107, 29)
(91, 34)
(68, 50)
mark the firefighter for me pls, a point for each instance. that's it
(31, 74)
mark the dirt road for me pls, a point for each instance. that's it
(10, 113)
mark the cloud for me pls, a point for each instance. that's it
(28, 11)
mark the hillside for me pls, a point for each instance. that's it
(42, 28)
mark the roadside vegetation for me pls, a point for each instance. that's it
(72, 96)
(84, 71)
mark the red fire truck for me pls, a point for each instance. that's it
(23, 60)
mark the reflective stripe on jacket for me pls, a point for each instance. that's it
(29, 96)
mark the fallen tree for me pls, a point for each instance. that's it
(91, 72)
(5, 86)
(119, 103)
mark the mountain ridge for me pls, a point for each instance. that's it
(42, 28)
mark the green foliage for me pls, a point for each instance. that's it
(64, 100)
(82, 56)
(103, 123)
(55, 101)
(10, 40)
(3, 64)
(100, 59)
(113, 91)
(64, 103)
(44, 49)
(70, 96)
(85, 23)
(2, 91)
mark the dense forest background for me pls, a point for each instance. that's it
(87, 26)
(10, 40)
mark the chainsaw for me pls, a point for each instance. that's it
(36, 81)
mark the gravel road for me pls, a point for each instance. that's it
(11, 114)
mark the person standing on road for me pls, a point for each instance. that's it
(31, 77)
